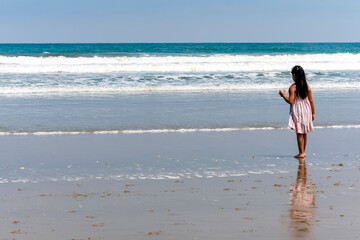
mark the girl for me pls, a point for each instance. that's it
(302, 109)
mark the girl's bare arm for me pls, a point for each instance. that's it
(291, 97)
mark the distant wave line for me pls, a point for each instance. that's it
(181, 130)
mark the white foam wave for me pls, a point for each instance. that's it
(211, 63)
(338, 126)
(182, 130)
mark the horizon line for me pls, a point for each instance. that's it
(169, 42)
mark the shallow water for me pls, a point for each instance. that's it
(203, 155)
(169, 111)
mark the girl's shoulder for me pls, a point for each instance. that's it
(292, 87)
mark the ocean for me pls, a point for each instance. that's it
(106, 100)
(162, 87)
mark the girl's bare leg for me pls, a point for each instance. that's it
(305, 141)
(298, 138)
(301, 145)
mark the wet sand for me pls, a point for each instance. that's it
(315, 199)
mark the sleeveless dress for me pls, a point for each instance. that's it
(300, 119)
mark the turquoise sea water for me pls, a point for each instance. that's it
(120, 87)
(132, 49)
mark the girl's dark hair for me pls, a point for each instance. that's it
(300, 82)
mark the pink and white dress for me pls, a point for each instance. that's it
(300, 119)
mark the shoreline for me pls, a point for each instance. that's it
(175, 130)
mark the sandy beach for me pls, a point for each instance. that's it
(212, 185)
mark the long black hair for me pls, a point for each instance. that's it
(300, 82)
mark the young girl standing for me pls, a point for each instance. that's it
(302, 109)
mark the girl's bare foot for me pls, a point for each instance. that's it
(302, 155)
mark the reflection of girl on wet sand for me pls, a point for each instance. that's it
(302, 200)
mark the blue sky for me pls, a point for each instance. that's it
(179, 21)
